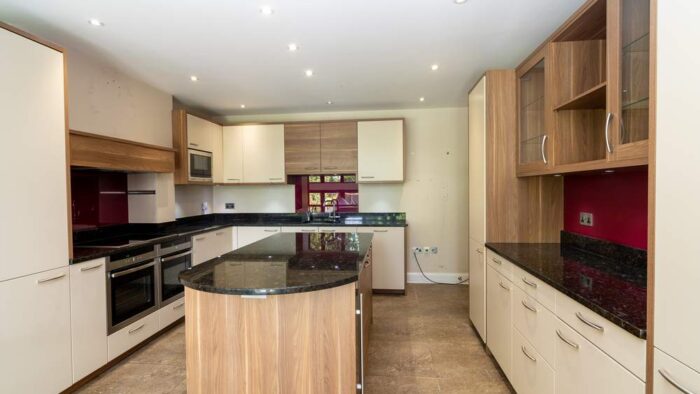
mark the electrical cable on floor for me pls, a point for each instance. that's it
(433, 281)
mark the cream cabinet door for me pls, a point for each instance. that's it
(35, 333)
(223, 238)
(672, 377)
(380, 146)
(203, 248)
(248, 235)
(388, 258)
(199, 134)
(132, 335)
(498, 318)
(477, 162)
(263, 154)
(531, 374)
(88, 314)
(33, 164)
(477, 287)
(233, 154)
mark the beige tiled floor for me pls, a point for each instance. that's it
(420, 343)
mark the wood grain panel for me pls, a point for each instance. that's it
(295, 343)
(96, 151)
(180, 145)
(302, 148)
(339, 147)
(587, 23)
(651, 206)
(581, 136)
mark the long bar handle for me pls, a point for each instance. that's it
(567, 341)
(133, 330)
(531, 308)
(83, 269)
(607, 132)
(589, 323)
(40, 281)
(527, 354)
(175, 257)
(531, 284)
(544, 154)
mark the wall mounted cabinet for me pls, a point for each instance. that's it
(380, 146)
(321, 148)
(254, 154)
(194, 132)
(302, 148)
(339, 148)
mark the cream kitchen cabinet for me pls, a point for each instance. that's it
(263, 154)
(388, 259)
(337, 229)
(380, 146)
(531, 373)
(477, 287)
(299, 229)
(207, 246)
(170, 313)
(250, 234)
(88, 314)
(207, 136)
(535, 323)
(35, 333)
(132, 335)
(673, 377)
(498, 318)
(233, 154)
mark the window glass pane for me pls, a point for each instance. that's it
(314, 179)
(331, 178)
(349, 179)
(315, 209)
(329, 198)
(314, 198)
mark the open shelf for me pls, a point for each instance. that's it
(593, 98)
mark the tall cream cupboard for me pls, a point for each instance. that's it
(34, 286)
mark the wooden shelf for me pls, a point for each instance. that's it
(585, 166)
(593, 98)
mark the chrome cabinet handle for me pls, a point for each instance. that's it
(381, 231)
(178, 306)
(133, 330)
(532, 308)
(83, 269)
(193, 144)
(497, 261)
(310, 168)
(531, 284)
(232, 179)
(674, 382)
(270, 231)
(503, 286)
(331, 168)
(327, 231)
(40, 281)
(567, 341)
(478, 250)
(307, 231)
(607, 132)
(367, 177)
(527, 354)
(544, 155)
(199, 239)
(275, 179)
(589, 323)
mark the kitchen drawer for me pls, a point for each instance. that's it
(499, 323)
(337, 229)
(628, 350)
(531, 373)
(672, 377)
(203, 248)
(223, 241)
(535, 322)
(131, 335)
(251, 234)
(168, 314)
(500, 264)
(300, 229)
(534, 287)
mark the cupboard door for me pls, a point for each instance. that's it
(477, 287)
(302, 148)
(477, 162)
(388, 258)
(88, 313)
(380, 151)
(339, 148)
(233, 154)
(672, 377)
(203, 248)
(531, 373)
(199, 134)
(498, 318)
(263, 154)
(248, 235)
(223, 238)
(535, 322)
(35, 333)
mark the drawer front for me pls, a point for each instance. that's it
(337, 229)
(300, 229)
(500, 264)
(531, 374)
(499, 327)
(202, 247)
(131, 335)
(168, 314)
(582, 368)
(223, 238)
(536, 288)
(535, 322)
(624, 347)
(672, 377)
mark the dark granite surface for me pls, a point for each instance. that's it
(607, 278)
(85, 240)
(282, 264)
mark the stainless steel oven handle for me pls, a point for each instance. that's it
(175, 256)
(132, 270)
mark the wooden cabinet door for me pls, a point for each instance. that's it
(388, 258)
(477, 162)
(380, 151)
(339, 148)
(88, 313)
(302, 148)
(498, 318)
(263, 154)
(33, 167)
(477, 287)
(35, 333)
(233, 154)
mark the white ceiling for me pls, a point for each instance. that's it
(366, 54)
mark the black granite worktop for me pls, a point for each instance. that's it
(84, 240)
(607, 278)
(283, 264)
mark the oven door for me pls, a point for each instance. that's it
(132, 294)
(200, 165)
(170, 268)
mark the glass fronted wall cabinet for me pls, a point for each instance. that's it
(534, 137)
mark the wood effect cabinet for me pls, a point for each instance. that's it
(88, 314)
(320, 148)
(380, 146)
(388, 259)
(339, 148)
(498, 318)
(302, 148)
(35, 333)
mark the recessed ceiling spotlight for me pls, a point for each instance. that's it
(460, 1)
(557, 175)
(434, 67)
(96, 22)
(609, 171)
(309, 73)
(194, 78)
(329, 102)
(293, 47)
(266, 10)
(422, 99)
(242, 106)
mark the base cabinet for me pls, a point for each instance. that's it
(477, 287)
(131, 335)
(673, 377)
(213, 244)
(498, 317)
(531, 374)
(249, 235)
(170, 313)
(388, 258)
(35, 333)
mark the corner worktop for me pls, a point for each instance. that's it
(283, 264)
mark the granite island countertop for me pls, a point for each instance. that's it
(611, 285)
(284, 263)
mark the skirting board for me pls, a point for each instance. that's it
(444, 277)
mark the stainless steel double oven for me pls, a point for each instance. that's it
(143, 279)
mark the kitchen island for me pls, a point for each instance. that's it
(290, 313)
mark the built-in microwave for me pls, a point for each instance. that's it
(200, 165)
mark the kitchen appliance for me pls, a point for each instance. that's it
(200, 165)
(132, 286)
(175, 257)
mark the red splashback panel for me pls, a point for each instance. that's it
(98, 198)
(618, 202)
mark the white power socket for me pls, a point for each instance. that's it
(424, 249)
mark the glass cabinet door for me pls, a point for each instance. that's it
(532, 129)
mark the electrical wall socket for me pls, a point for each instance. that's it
(417, 249)
(426, 249)
(585, 219)
(230, 205)
(434, 250)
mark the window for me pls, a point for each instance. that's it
(320, 193)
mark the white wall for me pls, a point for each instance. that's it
(104, 101)
(434, 194)
(189, 199)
